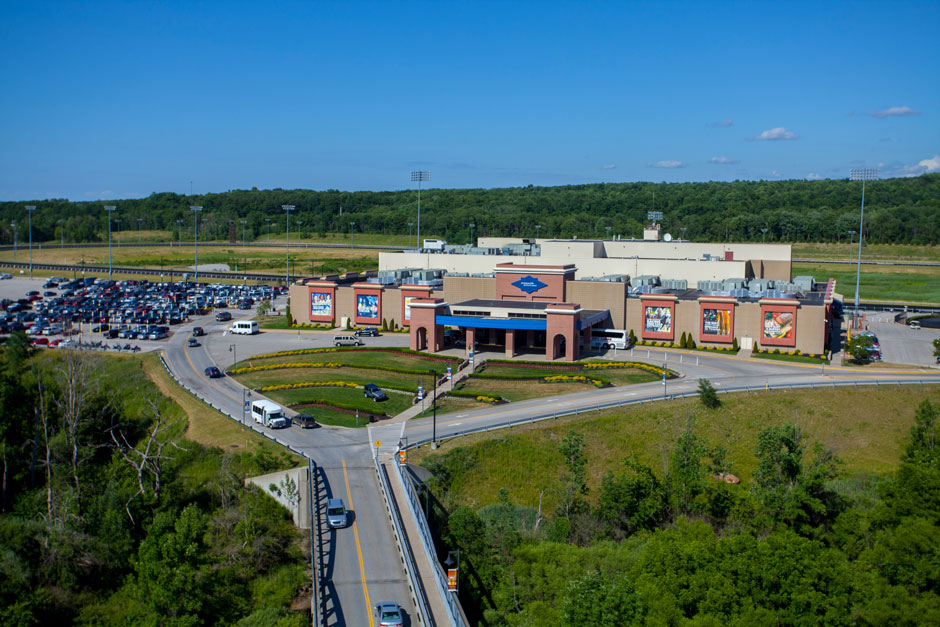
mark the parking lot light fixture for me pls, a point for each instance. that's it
(419, 176)
(196, 209)
(29, 212)
(861, 174)
(13, 224)
(109, 209)
(288, 209)
(232, 349)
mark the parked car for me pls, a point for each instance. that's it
(305, 421)
(389, 615)
(213, 372)
(367, 332)
(223, 316)
(335, 513)
(371, 390)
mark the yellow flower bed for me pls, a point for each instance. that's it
(623, 364)
(299, 364)
(488, 399)
(562, 378)
(309, 384)
(301, 351)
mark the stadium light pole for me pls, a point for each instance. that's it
(763, 234)
(419, 176)
(288, 209)
(861, 174)
(196, 209)
(109, 209)
(29, 212)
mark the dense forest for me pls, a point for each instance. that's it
(682, 548)
(111, 517)
(900, 211)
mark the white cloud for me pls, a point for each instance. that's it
(669, 163)
(893, 112)
(723, 160)
(775, 173)
(814, 176)
(609, 166)
(774, 134)
(930, 165)
(722, 124)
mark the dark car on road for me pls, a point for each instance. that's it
(368, 332)
(213, 372)
(198, 332)
(305, 421)
(374, 392)
(223, 316)
(192, 341)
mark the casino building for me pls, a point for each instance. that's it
(548, 296)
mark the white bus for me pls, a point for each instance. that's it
(244, 327)
(609, 338)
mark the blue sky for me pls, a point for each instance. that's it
(116, 100)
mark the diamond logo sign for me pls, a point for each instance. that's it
(529, 284)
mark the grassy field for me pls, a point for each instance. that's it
(870, 252)
(866, 427)
(516, 390)
(880, 283)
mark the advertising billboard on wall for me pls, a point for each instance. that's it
(778, 325)
(408, 307)
(367, 306)
(657, 319)
(716, 322)
(321, 304)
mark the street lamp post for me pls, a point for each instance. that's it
(683, 228)
(139, 222)
(29, 212)
(109, 209)
(13, 224)
(118, 220)
(434, 411)
(861, 174)
(288, 209)
(352, 234)
(196, 209)
(538, 231)
(268, 220)
(410, 224)
(851, 239)
(472, 226)
(418, 177)
(763, 232)
(62, 232)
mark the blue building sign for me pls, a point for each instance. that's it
(529, 284)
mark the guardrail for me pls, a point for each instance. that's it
(454, 611)
(407, 559)
(621, 403)
(316, 554)
(275, 244)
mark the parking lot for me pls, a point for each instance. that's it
(126, 315)
(901, 344)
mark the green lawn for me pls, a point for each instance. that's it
(866, 427)
(617, 376)
(453, 405)
(516, 390)
(870, 252)
(364, 358)
(347, 397)
(881, 283)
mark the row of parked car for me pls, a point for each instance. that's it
(138, 308)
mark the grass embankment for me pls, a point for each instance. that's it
(866, 427)
(206, 425)
(336, 405)
(870, 252)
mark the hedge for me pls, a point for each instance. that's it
(337, 349)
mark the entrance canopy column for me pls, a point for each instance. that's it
(424, 326)
(562, 323)
(510, 343)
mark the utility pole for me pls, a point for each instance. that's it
(196, 209)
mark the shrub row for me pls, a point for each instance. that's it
(479, 397)
(592, 365)
(576, 378)
(536, 365)
(308, 384)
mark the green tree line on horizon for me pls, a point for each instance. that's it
(897, 211)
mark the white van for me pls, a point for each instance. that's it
(347, 340)
(244, 327)
(269, 414)
(609, 338)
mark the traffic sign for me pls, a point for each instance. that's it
(450, 373)
(378, 443)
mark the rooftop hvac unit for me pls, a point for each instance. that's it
(733, 284)
(806, 283)
(483, 275)
(458, 274)
(710, 286)
(646, 279)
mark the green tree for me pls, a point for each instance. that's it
(708, 394)
(603, 601)
(859, 347)
(632, 500)
(686, 478)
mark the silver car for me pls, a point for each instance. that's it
(335, 513)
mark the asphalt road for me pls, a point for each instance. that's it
(363, 566)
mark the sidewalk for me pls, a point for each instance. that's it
(417, 408)
(413, 538)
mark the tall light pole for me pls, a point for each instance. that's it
(683, 228)
(472, 226)
(13, 224)
(62, 232)
(763, 232)
(288, 209)
(139, 222)
(418, 177)
(118, 220)
(538, 230)
(244, 222)
(109, 209)
(179, 223)
(851, 239)
(410, 224)
(352, 234)
(196, 209)
(29, 212)
(300, 223)
(861, 174)
(268, 220)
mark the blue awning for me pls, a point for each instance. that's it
(534, 324)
